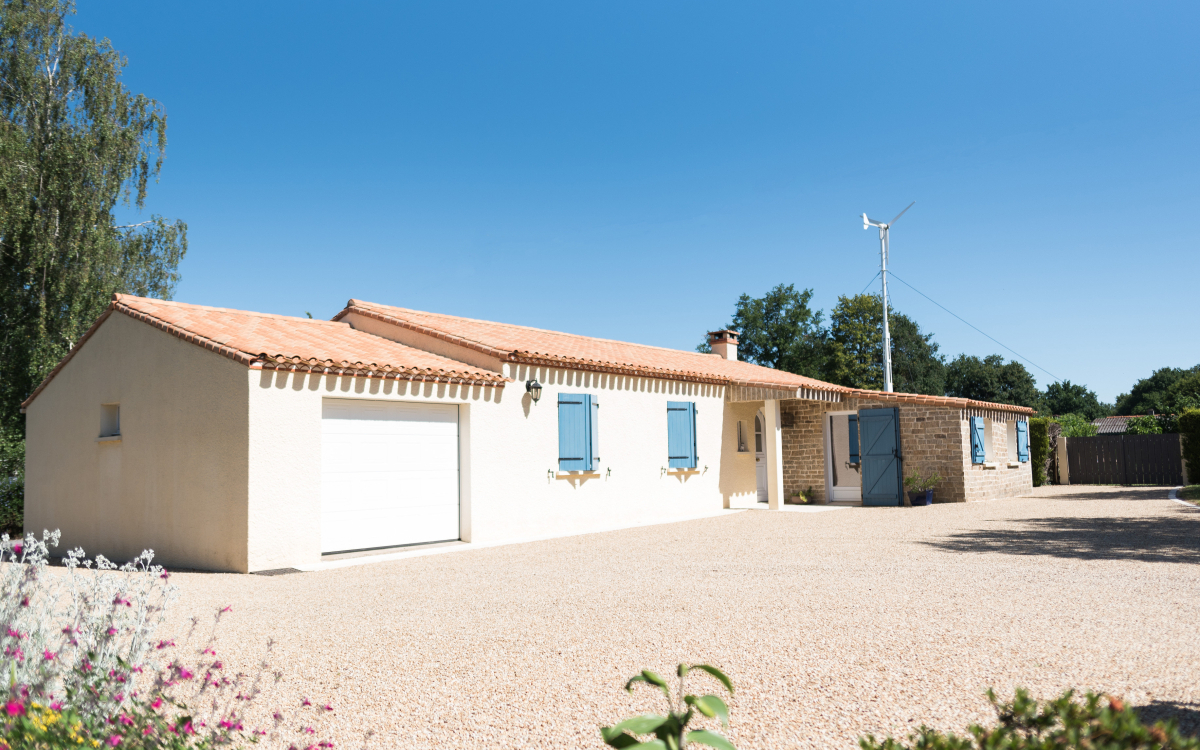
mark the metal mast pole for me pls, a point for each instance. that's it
(887, 337)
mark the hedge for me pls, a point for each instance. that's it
(1039, 448)
(1189, 432)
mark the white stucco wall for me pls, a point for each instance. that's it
(510, 484)
(176, 480)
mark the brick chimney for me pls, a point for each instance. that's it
(724, 343)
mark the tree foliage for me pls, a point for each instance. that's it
(1069, 398)
(855, 351)
(1169, 390)
(75, 147)
(990, 379)
(779, 330)
(1074, 425)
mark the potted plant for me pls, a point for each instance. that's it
(920, 490)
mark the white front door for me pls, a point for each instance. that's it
(389, 474)
(760, 459)
(842, 465)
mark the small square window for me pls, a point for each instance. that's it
(742, 447)
(110, 420)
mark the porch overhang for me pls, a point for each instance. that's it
(748, 392)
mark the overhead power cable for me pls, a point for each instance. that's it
(931, 299)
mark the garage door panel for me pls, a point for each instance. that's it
(389, 474)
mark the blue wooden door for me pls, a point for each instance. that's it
(882, 472)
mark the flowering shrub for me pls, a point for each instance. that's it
(1096, 723)
(86, 669)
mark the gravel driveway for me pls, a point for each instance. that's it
(831, 624)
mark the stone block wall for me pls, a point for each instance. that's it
(995, 478)
(932, 439)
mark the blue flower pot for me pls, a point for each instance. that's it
(921, 498)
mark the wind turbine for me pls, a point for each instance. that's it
(883, 259)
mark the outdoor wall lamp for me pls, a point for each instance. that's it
(534, 389)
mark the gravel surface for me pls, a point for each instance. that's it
(831, 625)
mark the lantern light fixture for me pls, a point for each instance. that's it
(534, 389)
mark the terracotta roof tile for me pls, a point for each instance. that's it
(283, 342)
(516, 343)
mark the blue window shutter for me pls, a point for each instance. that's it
(978, 451)
(681, 435)
(573, 449)
(1022, 441)
(594, 432)
(854, 459)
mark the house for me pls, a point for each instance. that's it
(1111, 425)
(241, 441)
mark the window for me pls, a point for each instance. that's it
(110, 420)
(1010, 439)
(681, 434)
(978, 440)
(578, 432)
(742, 447)
(758, 434)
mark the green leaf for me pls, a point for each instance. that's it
(716, 673)
(682, 671)
(653, 678)
(644, 724)
(651, 745)
(711, 706)
(658, 682)
(618, 739)
(711, 739)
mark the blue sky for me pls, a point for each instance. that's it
(627, 169)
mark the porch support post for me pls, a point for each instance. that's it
(774, 453)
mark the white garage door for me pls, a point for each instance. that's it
(389, 474)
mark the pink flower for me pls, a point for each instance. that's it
(157, 704)
(184, 673)
(310, 730)
(209, 651)
(13, 708)
(25, 601)
(328, 707)
(86, 666)
(148, 730)
(305, 702)
(112, 631)
(124, 719)
(114, 740)
(218, 665)
(15, 634)
(48, 655)
(227, 609)
(18, 548)
(164, 644)
(165, 575)
(56, 706)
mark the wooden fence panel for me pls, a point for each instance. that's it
(1125, 459)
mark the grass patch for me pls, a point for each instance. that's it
(1190, 493)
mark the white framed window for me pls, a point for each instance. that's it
(1010, 428)
(758, 433)
(110, 420)
(742, 446)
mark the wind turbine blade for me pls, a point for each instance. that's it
(910, 205)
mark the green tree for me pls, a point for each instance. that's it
(1168, 390)
(779, 330)
(990, 379)
(855, 350)
(75, 147)
(1068, 398)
